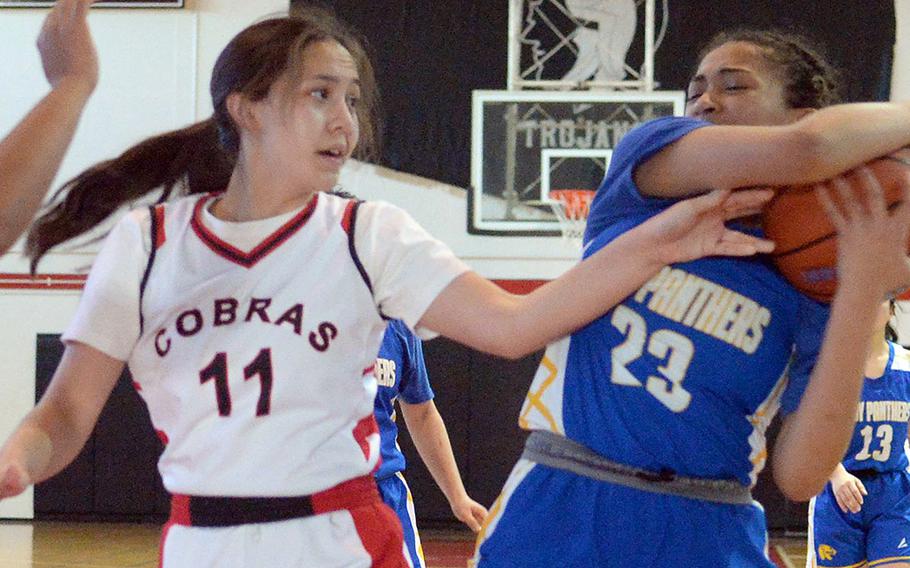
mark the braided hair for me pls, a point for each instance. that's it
(809, 80)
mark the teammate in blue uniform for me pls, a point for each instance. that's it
(648, 424)
(863, 514)
(402, 376)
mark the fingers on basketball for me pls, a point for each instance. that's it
(803, 221)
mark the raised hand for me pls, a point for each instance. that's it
(65, 43)
(871, 238)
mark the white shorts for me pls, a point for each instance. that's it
(353, 528)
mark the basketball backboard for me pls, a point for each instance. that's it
(528, 143)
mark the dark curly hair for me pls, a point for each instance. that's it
(810, 81)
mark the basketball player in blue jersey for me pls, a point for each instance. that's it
(31, 154)
(402, 377)
(862, 518)
(648, 424)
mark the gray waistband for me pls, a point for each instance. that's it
(557, 451)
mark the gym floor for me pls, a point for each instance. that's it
(121, 545)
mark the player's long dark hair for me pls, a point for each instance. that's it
(202, 156)
(810, 81)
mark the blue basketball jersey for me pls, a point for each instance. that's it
(687, 373)
(400, 371)
(879, 439)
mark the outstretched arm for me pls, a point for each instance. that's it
(52, 434)
(31, 154)
(432, 442)
(820, 146)
(477, 313)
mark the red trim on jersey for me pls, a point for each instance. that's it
(350, 494)
(348, 214)
(164, 530)
(381, 536)
(363, 430)
(180, 511)
(260, 251)
(358, 493)
(160, 235)
(162, 435)
(137, 386)
(371, 370)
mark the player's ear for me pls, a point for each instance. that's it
(243, 112)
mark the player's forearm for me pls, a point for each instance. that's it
(815, 437)
(851, 134)
(494, 321)
(431, 438)
(31, 155)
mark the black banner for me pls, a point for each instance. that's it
(429, 56)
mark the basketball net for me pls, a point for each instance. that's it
(571, 207)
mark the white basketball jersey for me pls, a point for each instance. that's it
(257, 367)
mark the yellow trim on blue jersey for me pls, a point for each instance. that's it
(889, 559)
(495, 510)
(756, 419)
(519, 472)
(413, 515)
(534, 399)
(857, 565)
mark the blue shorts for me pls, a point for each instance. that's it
(550, 517)
(880, 532)
(396, 494)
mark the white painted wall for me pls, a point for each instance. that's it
(900, 78)
(155, 70)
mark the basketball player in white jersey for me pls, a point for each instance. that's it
(30, 155)
(250, 312)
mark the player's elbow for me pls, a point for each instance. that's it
(798, 485)
(507, 348)
(511, 331)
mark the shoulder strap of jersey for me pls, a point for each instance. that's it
(349, 224)
(157, 238)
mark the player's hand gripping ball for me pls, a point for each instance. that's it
(806, 241)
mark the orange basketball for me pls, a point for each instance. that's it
(806, 242)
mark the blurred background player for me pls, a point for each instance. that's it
(648, 424)
(402, 376)
(862, 518)
(31, 154)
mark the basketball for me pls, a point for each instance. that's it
(806, 241)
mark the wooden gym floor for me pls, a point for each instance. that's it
(119, 545)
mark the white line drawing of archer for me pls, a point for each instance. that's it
(605, 33)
